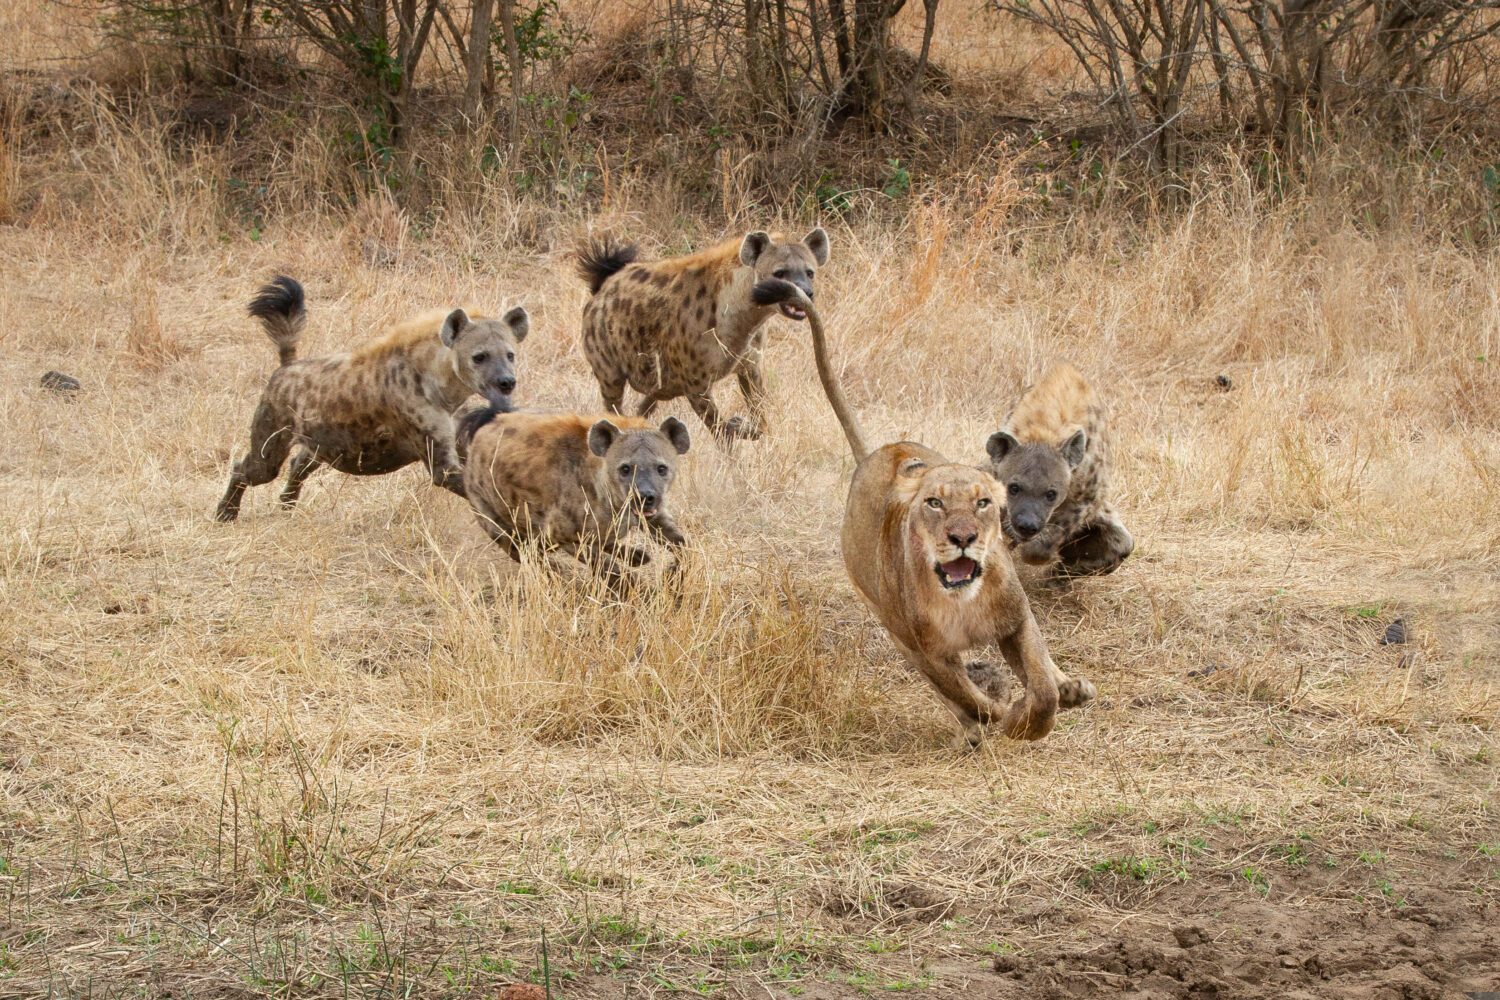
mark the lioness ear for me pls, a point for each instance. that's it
(1000, 444)
(452, 326)
(677, 433)
(1073, 448)
(817, 242)
(755, 244)
(601, 436)
(519, 321)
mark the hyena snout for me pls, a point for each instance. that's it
(1025, 524)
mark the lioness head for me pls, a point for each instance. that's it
(796, 262)
(1035, 477)
(954, 519)
(484, 351)
(638, 465)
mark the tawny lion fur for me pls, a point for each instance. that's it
(923, 546)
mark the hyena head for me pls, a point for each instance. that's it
(797, 262)
(1035, 477)
(484, 351)
(638, 465)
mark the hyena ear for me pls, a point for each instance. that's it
(1000, 444)
(1073, 448)
(817, 242)
(755, 244)
(519, 321)
(677, 433)
(601, 436)
(453, 325)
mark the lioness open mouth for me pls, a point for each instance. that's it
(793, 312)
(959, 572)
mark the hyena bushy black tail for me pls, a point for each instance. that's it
(598, 260)
(280, 309)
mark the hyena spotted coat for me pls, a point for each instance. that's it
(377, 409)
(1053, 458)
(572, 483)
(675, 327)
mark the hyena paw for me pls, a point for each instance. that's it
(637, 557)
(994, 683)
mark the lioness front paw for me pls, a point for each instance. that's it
(1074, 692)
(1029, 719)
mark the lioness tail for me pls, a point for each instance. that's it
(773, 291)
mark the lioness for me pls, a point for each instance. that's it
(923, 546)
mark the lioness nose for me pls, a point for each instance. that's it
(962, 539)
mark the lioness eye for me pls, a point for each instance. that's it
(1014, 489)
(624, 470)
(934, 503)
(480, 358)
(661, 470)
(981, 503)
(1051, 495)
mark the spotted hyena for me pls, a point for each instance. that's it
(573, 483)
(1052, 456)
(376, 409)
(675, 327)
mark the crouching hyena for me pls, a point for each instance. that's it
(377, 409)
(572, 483)
(675, 327)
(1052, 456)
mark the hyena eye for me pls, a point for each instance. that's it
(625, 470)
(809, 272)
(1014, 489)
(1051, 495)
(661, 470)
(981, 503)
(934, 503)
(480, 358)
(510, 355)
(779, 272)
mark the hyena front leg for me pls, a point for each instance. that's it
(1099, 548)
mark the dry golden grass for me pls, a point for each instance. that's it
(353, 749)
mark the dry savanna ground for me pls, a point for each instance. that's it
(352, 750)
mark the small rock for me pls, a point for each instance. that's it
(1407, 938)
(1288, 962)
(1223, 384)
(1007, 962)
(1395, 633)
(1206, 670)
(63, 385)
(522, 991)
(1188, 935)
